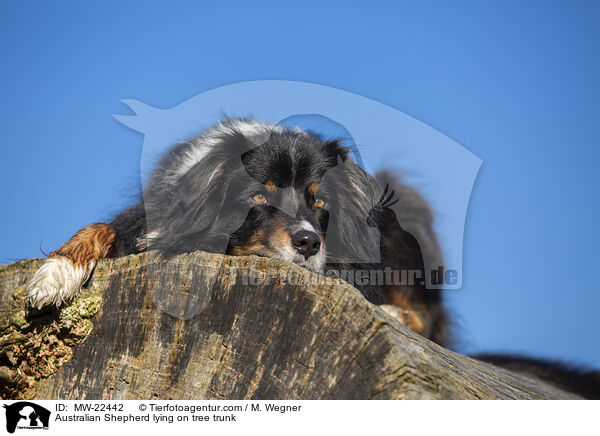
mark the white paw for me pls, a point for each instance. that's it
(56, 282)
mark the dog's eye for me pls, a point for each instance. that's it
(319, 203)
(259, 198)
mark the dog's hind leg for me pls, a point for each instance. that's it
(66, 270)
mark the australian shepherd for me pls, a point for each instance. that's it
(247, 188)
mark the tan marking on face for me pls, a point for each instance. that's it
(313, 188)
(93, 242)
(248, 249)
(280, 238)
(254, 245)
(270, 186)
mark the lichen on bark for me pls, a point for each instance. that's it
(34, 345)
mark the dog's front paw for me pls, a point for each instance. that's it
(56, 282)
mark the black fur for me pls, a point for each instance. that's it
(208, 206)
(582, 381)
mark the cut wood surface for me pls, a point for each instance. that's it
(206, 326)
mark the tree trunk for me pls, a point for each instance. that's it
(206, 326)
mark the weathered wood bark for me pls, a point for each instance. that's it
(204, 326)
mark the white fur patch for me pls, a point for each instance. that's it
(314, 263)
(56, 282)
(202, 144)
(305, 225)
(143, 241)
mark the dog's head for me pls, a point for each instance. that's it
(248, 188)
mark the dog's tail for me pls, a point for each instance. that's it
(66, 270)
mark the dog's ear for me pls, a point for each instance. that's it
(189, 209)
(248, 155)
(251, 156)
(205, 187)
(200, 184)
(202, 188)
(349, 237)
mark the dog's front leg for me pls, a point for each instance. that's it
(66, 270)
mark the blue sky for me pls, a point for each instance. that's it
(514, 82)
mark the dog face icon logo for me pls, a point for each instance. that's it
(26, 415)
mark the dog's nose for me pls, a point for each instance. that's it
(306, 242)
